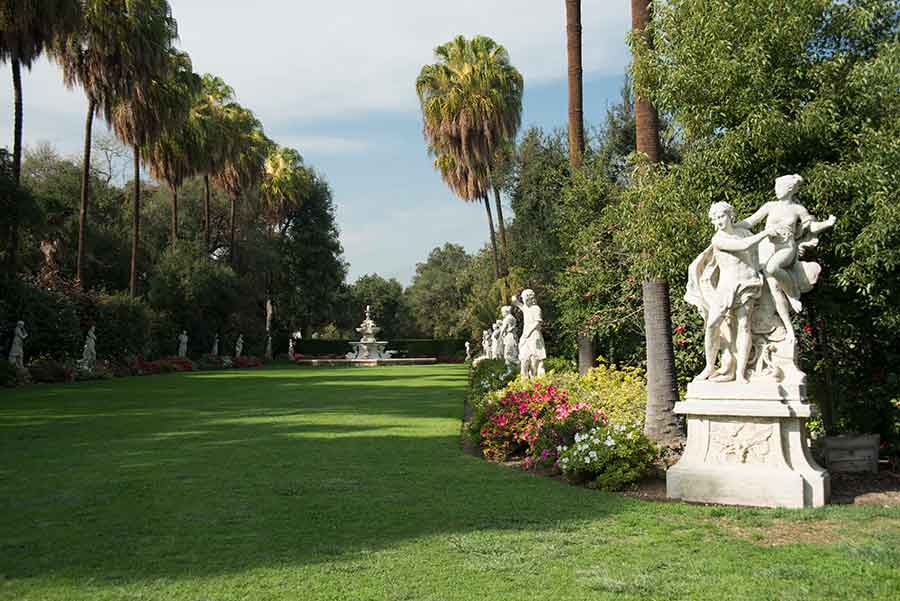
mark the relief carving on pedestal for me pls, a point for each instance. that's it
(740, 442)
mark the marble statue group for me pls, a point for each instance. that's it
(746, 286)
(747, 409)
(526, 352)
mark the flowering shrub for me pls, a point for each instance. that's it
(533, 418)
(246, 362)
(165, 365)
(620, 391)
(50, 371)
(101, 371)
(613, 456)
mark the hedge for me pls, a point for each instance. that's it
(412, 347)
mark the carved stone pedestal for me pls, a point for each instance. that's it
(747, 452)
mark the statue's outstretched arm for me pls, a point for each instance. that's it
(755, 218)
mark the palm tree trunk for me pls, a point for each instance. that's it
(206, 211)
(586, 350)
(587, 353)
(576, 113)
(504, 263)
(13, 231)
(174, 215)
(661, 424)
(85, 193)
(646, 118)
(136, 222)
(232, 249)
(487, 206)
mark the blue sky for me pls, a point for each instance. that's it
(339, 87)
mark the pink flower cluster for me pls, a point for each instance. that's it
(534, 422)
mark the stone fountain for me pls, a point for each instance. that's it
(368, 347)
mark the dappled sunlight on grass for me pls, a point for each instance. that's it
(350, 484)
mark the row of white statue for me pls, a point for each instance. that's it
(88, 359)
(501, 342)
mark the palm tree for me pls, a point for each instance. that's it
(662, 387)
(471, 101)
(26, 28)
(242, 167)
(101, 56)
(576, 135)
(285, 182)
(137, 116)
(210, 120)
(172, 156)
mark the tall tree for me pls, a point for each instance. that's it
(211, 114)
(173, 155)
(137, 117)
(576, 135)
(471, 101)
(243, 165)
(26, 28)
(662, 386)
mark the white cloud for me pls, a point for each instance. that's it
(308, 60)
(325, 145)
(296, 62)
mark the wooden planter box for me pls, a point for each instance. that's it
(852, 453)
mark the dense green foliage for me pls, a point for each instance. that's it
(186, 286)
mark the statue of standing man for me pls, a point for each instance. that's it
(531, 345)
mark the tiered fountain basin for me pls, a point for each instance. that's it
(368, 352)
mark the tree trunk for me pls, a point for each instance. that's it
(136, 222)
(661, 425)
(573, 50)
(232, 250)
(487, 206)
(662, 389)
(12, 245)
(646, 118)
(174, 215)
(587, 353)
(206, 225)
(504, 263)
(85, 193)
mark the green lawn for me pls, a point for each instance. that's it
(298, 484)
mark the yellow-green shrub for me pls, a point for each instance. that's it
(620, 391)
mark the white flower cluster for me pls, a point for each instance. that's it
(591, 450)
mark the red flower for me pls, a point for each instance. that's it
(679, 329)
(808, 329)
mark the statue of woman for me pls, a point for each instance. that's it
(89, 355)
(215, 347)
(17, 350)
(182, 343)
(496, 341)
(509, 343)
(239, 346)
(531, 345)
(792, 230)
(486, 344)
